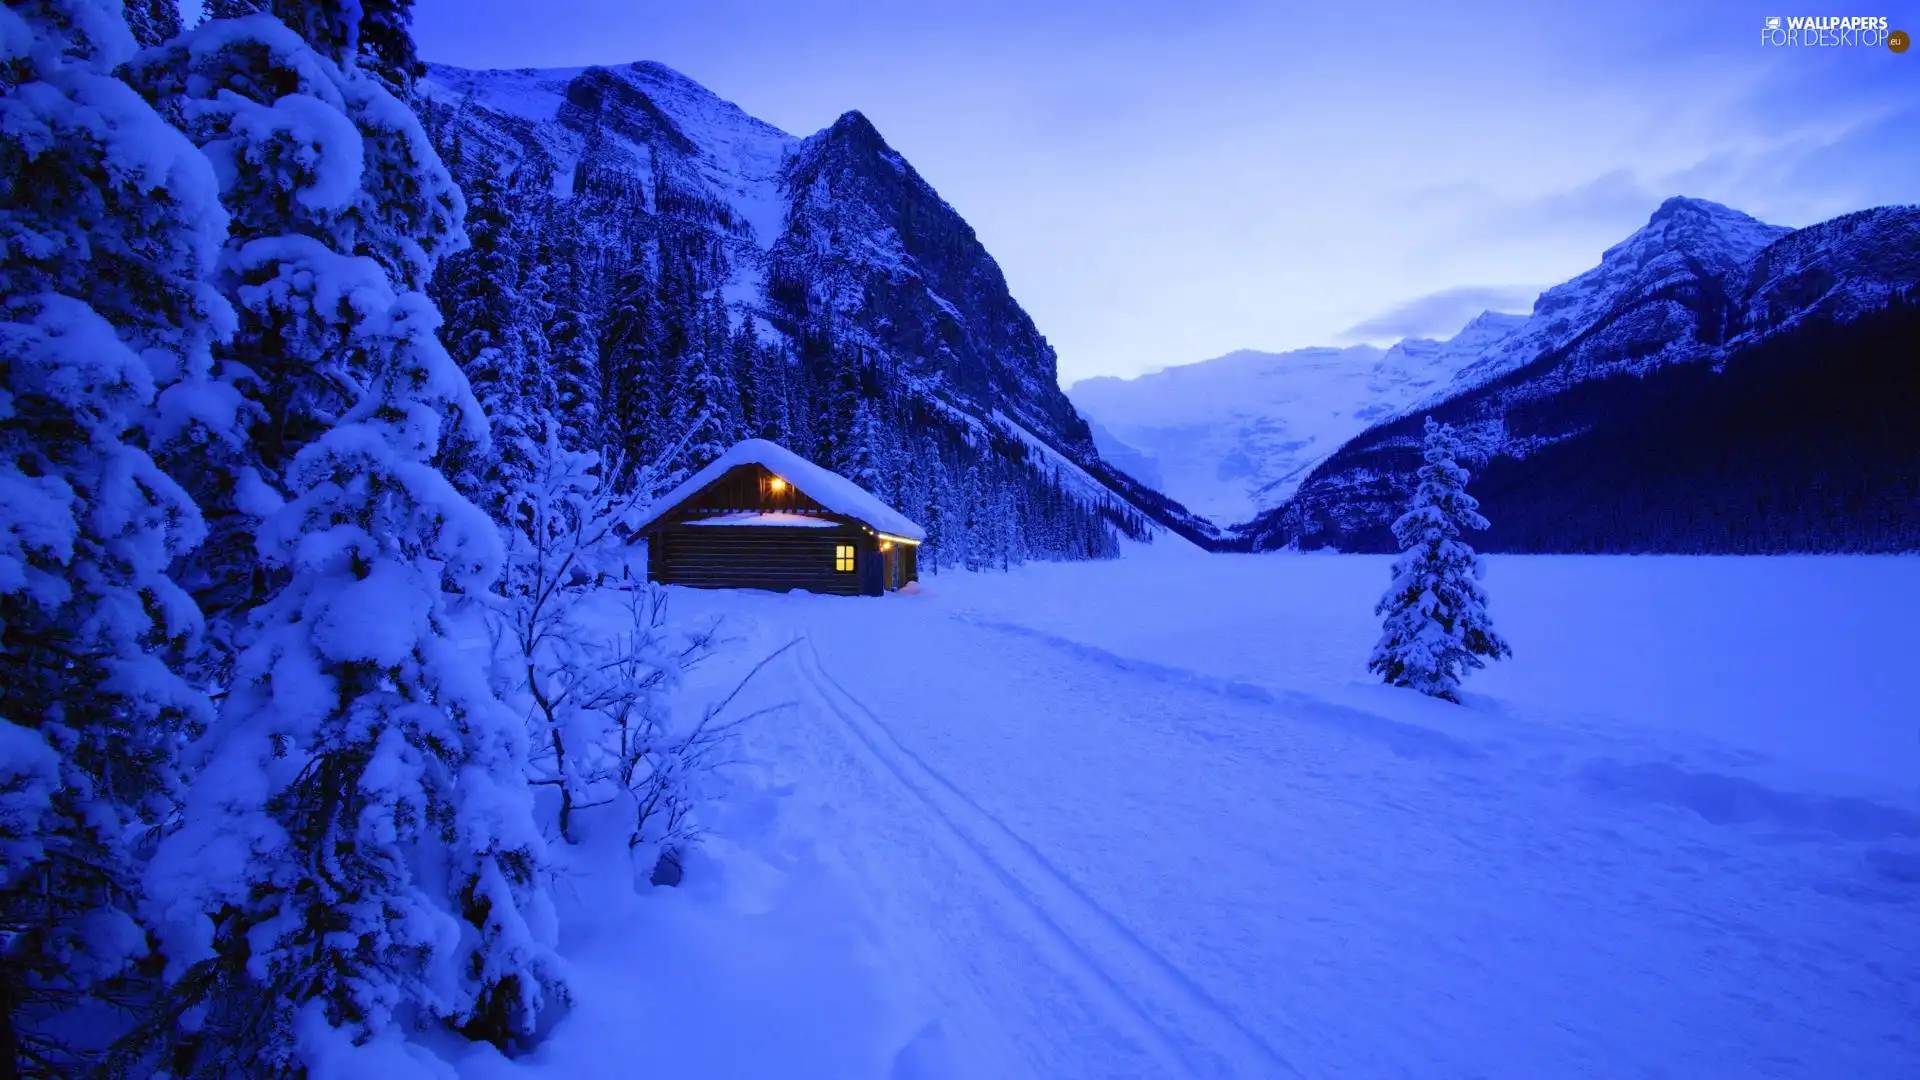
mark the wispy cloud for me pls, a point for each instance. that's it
(1441, 314)
(1614, 198)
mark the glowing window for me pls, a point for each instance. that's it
(843, 558)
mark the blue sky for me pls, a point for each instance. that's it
(1163, 183)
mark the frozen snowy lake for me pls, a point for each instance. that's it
(1151, 818)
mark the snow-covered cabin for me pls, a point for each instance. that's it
(762, 517)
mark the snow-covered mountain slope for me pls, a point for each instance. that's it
(1686, 243)
(1716, 384)
(1221, 429)
(833, 246)
(1236, 434)
(676, 137)
(1837, 270)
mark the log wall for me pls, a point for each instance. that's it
(760, 557)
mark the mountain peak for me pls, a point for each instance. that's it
(853, 141)
(855, 120)
(1677, 204)
(1489, 326)
(1719, 237)
(854, 127)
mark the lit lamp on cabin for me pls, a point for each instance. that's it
(777, 485)
(886, 545)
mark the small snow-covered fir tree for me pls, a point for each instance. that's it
(705, 404)
(976, 544)
(772, 391)
(743, 362)
(359, 853)
(574, 341)
(1011, 538)
(703, 400)
(918, 466)
(1436, 627)
(109, 221)
(868, 454)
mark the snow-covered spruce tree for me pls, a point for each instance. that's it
(617, 352)
(372, 36)
(496, 307)
(109, 222)
(574, 342)
(290, 156)
(358, 854)
(868, 461)
(1436, 627)
(705, 402)
(152, 21)
(774, 394)
(978, 529)
(743, 361)
(384, 42)
(721, 403)
(1011, 542)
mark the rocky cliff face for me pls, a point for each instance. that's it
(870, 240)
(1650, 404)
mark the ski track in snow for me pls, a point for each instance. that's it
(1160, 1002)
(948, 921)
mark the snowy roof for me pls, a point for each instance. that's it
(776, 518)
(831, 490)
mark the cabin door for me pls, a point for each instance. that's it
(872, 567)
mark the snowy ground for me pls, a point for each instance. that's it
(1149, 818)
